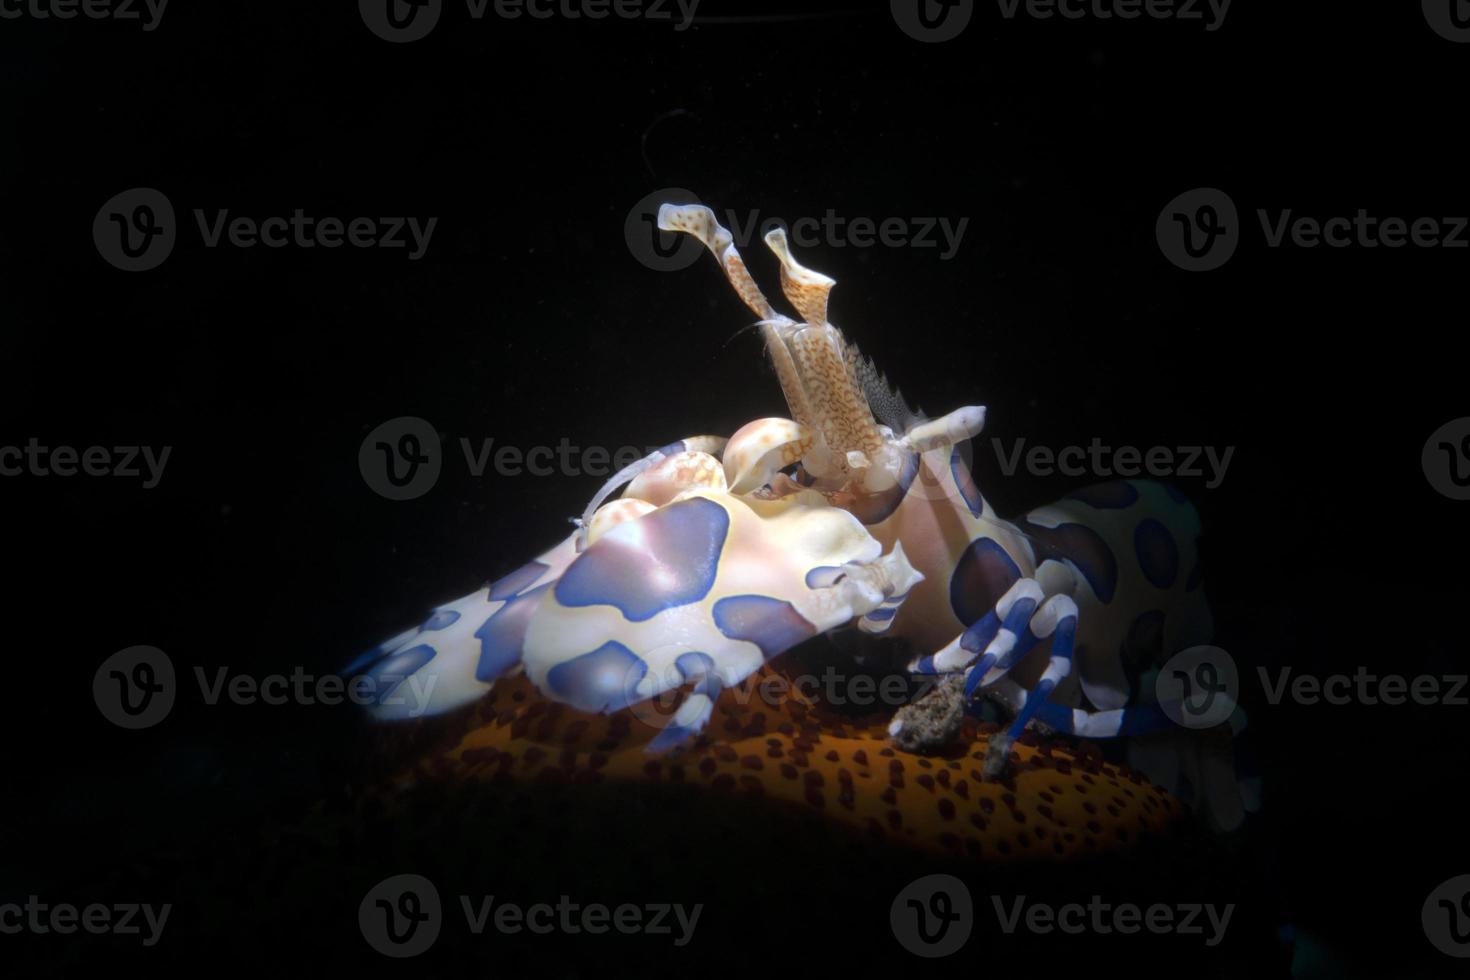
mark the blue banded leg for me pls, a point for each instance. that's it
(692, 715)
(1057, 619)
(1142, 719)
(1012, 611)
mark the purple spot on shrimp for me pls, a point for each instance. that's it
(601, 681)
(823, 576)
(668, 558)
(879, 507)
(1158, 556)
(442, 619)
(774, 625)
(363, 659)
(882, 614)
(1107, 496)
(966, 483)
(982, 575)
(517, 581)
(1083, 547)
(396, 669)
(694, 664)
(504, 633)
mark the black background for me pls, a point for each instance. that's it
(529, 321)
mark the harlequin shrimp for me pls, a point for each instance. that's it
(721, 554)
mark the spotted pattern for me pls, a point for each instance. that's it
(981, 577)
(517, 581)
(390, 672)
(1083, 547)
(1107, 496)
(1158, 555)
(1061, 801)
(671, 560)
(966, 483)
(502, 635)
(604, 680)
(774, 625)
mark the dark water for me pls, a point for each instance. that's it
(529, 321)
